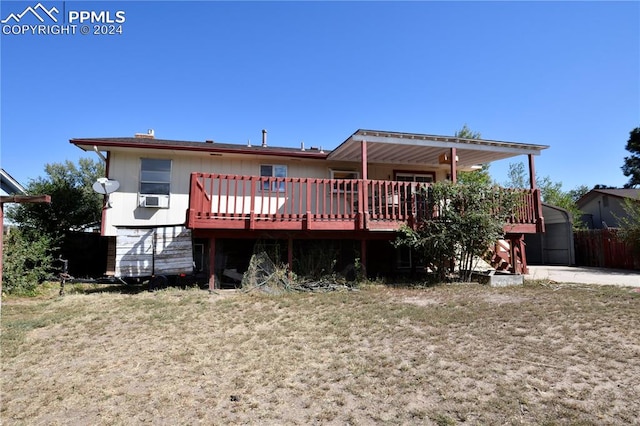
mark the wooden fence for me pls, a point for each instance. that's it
(604, 248)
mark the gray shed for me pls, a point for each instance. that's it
(555, 246)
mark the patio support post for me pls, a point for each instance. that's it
(536, 193)
(212, 263)
(364, 210)
(532, 172)
(454, 166)
(363, 148)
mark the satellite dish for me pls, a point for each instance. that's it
(106, 186)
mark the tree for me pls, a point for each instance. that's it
(630, 223)
(466, 133)
(550, 192)
(481, 175)
(74, 204)
(631, 165)
(516, 176)
(460, 222)
(579, 191)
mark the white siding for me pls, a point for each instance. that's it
(156, 251)
(124, 166)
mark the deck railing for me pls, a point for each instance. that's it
(219, 201)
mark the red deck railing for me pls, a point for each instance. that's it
(220, 201)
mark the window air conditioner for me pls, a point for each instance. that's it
(154, 201)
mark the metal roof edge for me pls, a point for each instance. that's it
(9, 182)
(440, 138)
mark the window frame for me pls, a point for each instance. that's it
(275, 186)
(344, 174)
(147, 181)
(413, 175)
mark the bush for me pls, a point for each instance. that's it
(26, 263)
(458, 222)
(630, 224)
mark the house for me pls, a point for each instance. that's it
(10, 186)
(602, 208)
(185, 203)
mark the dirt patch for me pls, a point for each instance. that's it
(421, 301)
(443, 355)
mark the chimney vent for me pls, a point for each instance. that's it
(149, 135)
(302, 146)
(264, 138)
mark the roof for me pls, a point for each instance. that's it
(554, 214)
(614, 192)
(382, 147)
(9, 185)
(105, 144)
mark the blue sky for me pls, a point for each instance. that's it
(564, 74)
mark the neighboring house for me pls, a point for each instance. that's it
(10, 186)
(555, 246)
(602, 208)
(206, 203)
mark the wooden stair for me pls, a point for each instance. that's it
(509, 254)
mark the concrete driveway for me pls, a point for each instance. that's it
(585, 275)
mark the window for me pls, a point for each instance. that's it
(416, 177)
(273, 170)
(344, 174)
(155, 176)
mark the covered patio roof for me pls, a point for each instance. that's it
(413, 148)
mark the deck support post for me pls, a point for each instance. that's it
(518, 255)
(212, 263)
(363, 257)
(290, 257)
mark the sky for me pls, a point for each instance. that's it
(563, 74)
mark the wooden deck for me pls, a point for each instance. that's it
(232, 202)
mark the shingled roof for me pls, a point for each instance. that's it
(614, 192)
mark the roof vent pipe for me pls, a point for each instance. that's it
(302, 146)
(249, 143)
(264, 138)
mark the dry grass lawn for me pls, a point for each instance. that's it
(455, 354)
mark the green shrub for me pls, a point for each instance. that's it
(26, 263)
(458, 222)
(630, 224)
